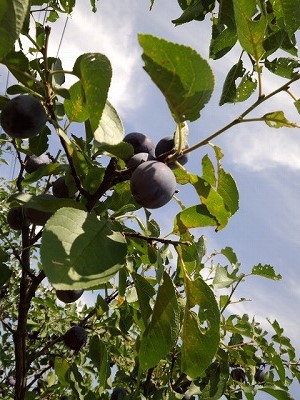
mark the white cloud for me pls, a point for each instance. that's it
(110, 32)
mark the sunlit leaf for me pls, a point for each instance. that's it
(183, 76)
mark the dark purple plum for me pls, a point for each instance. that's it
(141, 143)
(23, 117)
(68, 296)
(260, 376)
(16, 218)
(138, 158)
(152, 184)
(238, 374)
(39, 217)
(60, 189)
(118, 394)
(75, 337)
(33, 163)
(165, 145)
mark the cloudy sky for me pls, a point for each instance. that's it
(265, 162)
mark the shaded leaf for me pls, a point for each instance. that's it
(163, 330)
(285, 67)
(12, 17)
(200, 333)
(98, 355)
(70, 252)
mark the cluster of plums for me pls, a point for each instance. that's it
(152, 182)
(238, 374)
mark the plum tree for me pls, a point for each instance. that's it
(118, 394)
(141, 143)
(165, 145)
(75, 338)
(152, 184)
(39, 217)
(238, 374)
(68, 296)
(23, 117)
(35, 162)
(138, 158)
(16, 218)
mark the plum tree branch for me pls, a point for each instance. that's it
(151, 239)
(241, 119)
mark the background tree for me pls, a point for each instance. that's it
(160, 326)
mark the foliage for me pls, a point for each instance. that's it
(160, 327)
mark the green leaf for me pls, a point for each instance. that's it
(267, 271)
(193, 217)
(78, 251)
(110, 130)
(277, 119)
(297, 105)
(212, 199)
(251, 31)
(222, 279)
(195, 10)
(163, 330)
(228, 190)
(216, 379)
(285, 67)
(145, 293)
(200, 333)
(246, 87)
(61, 368)
(98, 355)
(75, 107)
(230, 255)
(287, 14)
(46, 170)
(229, 88)
(183, 76)
(94, 72)
(277, 393)
(12, 17)
(222, 41)
(39, 143)
(208, 169)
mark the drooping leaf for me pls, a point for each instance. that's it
(78, 251)
(110, 130)
(208, 171)
(98, 355)
(145, 292)
(12, 17)
(194, 10)
(266, 271)
(94, 72)
(228, 190)
(61, 368)
(39, 143)
(163, 330)
(245, 88)
(223, 39)
(229, 88)
(183, 76)
(200, 333)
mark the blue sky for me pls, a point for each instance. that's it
(265, 162)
